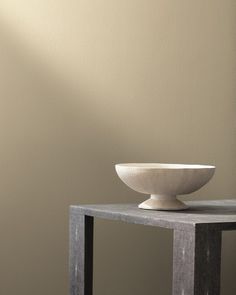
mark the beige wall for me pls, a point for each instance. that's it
(87, 84)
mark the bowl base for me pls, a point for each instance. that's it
(163, 202)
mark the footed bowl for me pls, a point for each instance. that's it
(163, 182)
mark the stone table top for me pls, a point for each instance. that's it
(216, 214)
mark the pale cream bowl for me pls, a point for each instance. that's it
(164, 182)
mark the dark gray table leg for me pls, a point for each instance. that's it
(81, 254)
(197, 262)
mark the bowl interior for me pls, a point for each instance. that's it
(165, 166)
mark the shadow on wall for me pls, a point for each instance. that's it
(51, 134)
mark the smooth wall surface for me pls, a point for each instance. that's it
(90, 83)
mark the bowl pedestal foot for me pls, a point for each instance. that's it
(163, 202)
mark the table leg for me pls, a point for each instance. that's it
(197, 262)
(81, 254)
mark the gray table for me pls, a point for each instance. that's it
(196, 250)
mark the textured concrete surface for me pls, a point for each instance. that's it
(196, 248)
(217, 213)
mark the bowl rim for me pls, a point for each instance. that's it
(166, 166)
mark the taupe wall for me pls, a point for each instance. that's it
(87, 84)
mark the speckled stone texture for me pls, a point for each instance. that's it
(196, 262)
(197, 242)
(81, 254)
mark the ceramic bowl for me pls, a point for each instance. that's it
(163, 182)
